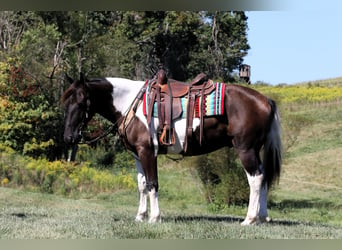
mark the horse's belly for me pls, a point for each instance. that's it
(180, 131)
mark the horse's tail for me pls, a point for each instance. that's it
(272, 147)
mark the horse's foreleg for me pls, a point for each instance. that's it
(155, 212)
(142, 210)
(152, 187)
(149, 166)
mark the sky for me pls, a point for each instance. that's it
(299, 44)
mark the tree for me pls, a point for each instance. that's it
(228, 44)
(33, 67)
(185, 43)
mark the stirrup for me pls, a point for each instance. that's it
(167, 137)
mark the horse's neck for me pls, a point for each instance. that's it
(117, 97)
(124, 93)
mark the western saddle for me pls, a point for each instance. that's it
(167, 93)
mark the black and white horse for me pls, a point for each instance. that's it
(249, 123)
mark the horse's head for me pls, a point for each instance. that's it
(77, 106)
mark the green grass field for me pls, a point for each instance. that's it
(307, 203)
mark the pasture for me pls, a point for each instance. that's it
(306, 204)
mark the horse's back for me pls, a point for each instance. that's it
(245, 96)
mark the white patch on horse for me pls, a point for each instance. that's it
(124, 92)
(180, 130)
(140, 114)
(155, 212)
(257, 207)
(142, 210)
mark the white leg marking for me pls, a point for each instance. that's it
(142, 210)
(254, 199)
(155, 212)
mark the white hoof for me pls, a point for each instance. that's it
(255, 221)
(155, 219)
(140, 217)
(249, 221)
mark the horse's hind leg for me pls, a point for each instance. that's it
(257, 206)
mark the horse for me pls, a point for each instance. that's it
(250, 123)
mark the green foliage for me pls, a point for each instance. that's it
(223, 177)
(228, 44)
(28, 121)
(37, 45)
(58, 176)
(183, 42)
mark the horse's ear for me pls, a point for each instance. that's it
(68, 78)
(83, 78)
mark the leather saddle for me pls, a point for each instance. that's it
(167, 93)
(180, 89)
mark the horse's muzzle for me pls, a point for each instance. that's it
(72, 140)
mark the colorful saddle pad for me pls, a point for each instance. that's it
(213, 103)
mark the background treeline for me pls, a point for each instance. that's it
(38, 48)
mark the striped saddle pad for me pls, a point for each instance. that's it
(213, 103)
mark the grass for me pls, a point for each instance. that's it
(42, 216)
(310, 188)
(297, 212)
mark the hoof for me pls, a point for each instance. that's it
(140, 217)
(156, 219)
(264, 219)
(249, 221)
(255, 221)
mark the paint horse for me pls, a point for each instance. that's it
(249, 123)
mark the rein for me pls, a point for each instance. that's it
(104, 134)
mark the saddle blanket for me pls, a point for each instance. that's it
(213, 103)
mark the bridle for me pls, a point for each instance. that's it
(119, 127)
(112, 129)
(84, 124)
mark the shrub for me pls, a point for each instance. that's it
(59, 176)
(223, 178)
